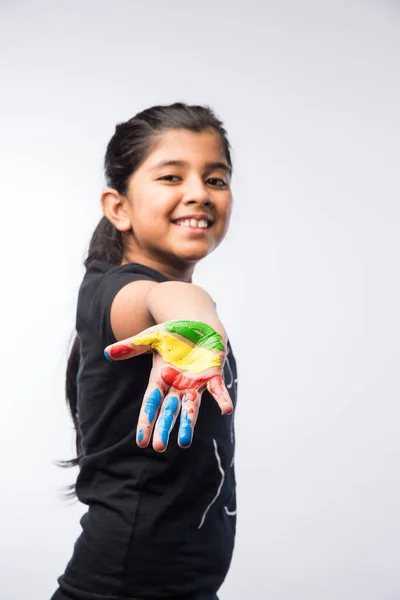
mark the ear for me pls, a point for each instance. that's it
(115, 209)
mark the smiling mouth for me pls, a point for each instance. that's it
(194, 223)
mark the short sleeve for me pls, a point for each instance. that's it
(101, 284)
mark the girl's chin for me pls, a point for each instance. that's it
(194, 250)
(191, 256)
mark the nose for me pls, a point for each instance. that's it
(196, 192)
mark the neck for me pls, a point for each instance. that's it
(173, 269)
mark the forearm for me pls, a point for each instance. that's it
(175, 300)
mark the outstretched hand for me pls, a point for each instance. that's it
(188, 357)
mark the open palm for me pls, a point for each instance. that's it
(188, 357)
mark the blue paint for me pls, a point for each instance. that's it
(152, 403)
(140, 436)
(166, 419)
(108, 356)
(185, 429)
(185, 399)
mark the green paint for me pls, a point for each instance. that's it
(197, 332)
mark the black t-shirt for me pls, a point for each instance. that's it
(159, 525)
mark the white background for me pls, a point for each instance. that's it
(307, 281)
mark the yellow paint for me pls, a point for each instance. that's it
(178, 353)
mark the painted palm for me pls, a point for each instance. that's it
(188, 358)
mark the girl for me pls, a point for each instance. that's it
(161, 517)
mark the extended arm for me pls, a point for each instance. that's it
(189, 345)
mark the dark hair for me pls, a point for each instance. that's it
(130, 145)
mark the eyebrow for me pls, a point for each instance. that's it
(210, 166)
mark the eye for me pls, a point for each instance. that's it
(216, 182)
(171, 178)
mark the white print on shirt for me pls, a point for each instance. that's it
(232, 382)
(221, 470)
(217, 456)
(229, 382)
(229, 512)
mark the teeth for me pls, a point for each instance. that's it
(201, 223)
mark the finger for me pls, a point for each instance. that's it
(134, 345)
(217, 388)
(166, 421)
(125, 349)
(189, 414)
(148, 413)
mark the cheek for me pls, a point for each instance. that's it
(229, 210)
(225, 219)
(148, 225)
(226, 210)
(162, 209)
(153, 214)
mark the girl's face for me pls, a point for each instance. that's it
(179, 200)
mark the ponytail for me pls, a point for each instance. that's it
(106, 245)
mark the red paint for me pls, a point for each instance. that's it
(216, 386)
(181, 382)
(169, 374)
(120, 351)
(190, 411)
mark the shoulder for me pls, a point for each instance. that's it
(113, 298)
